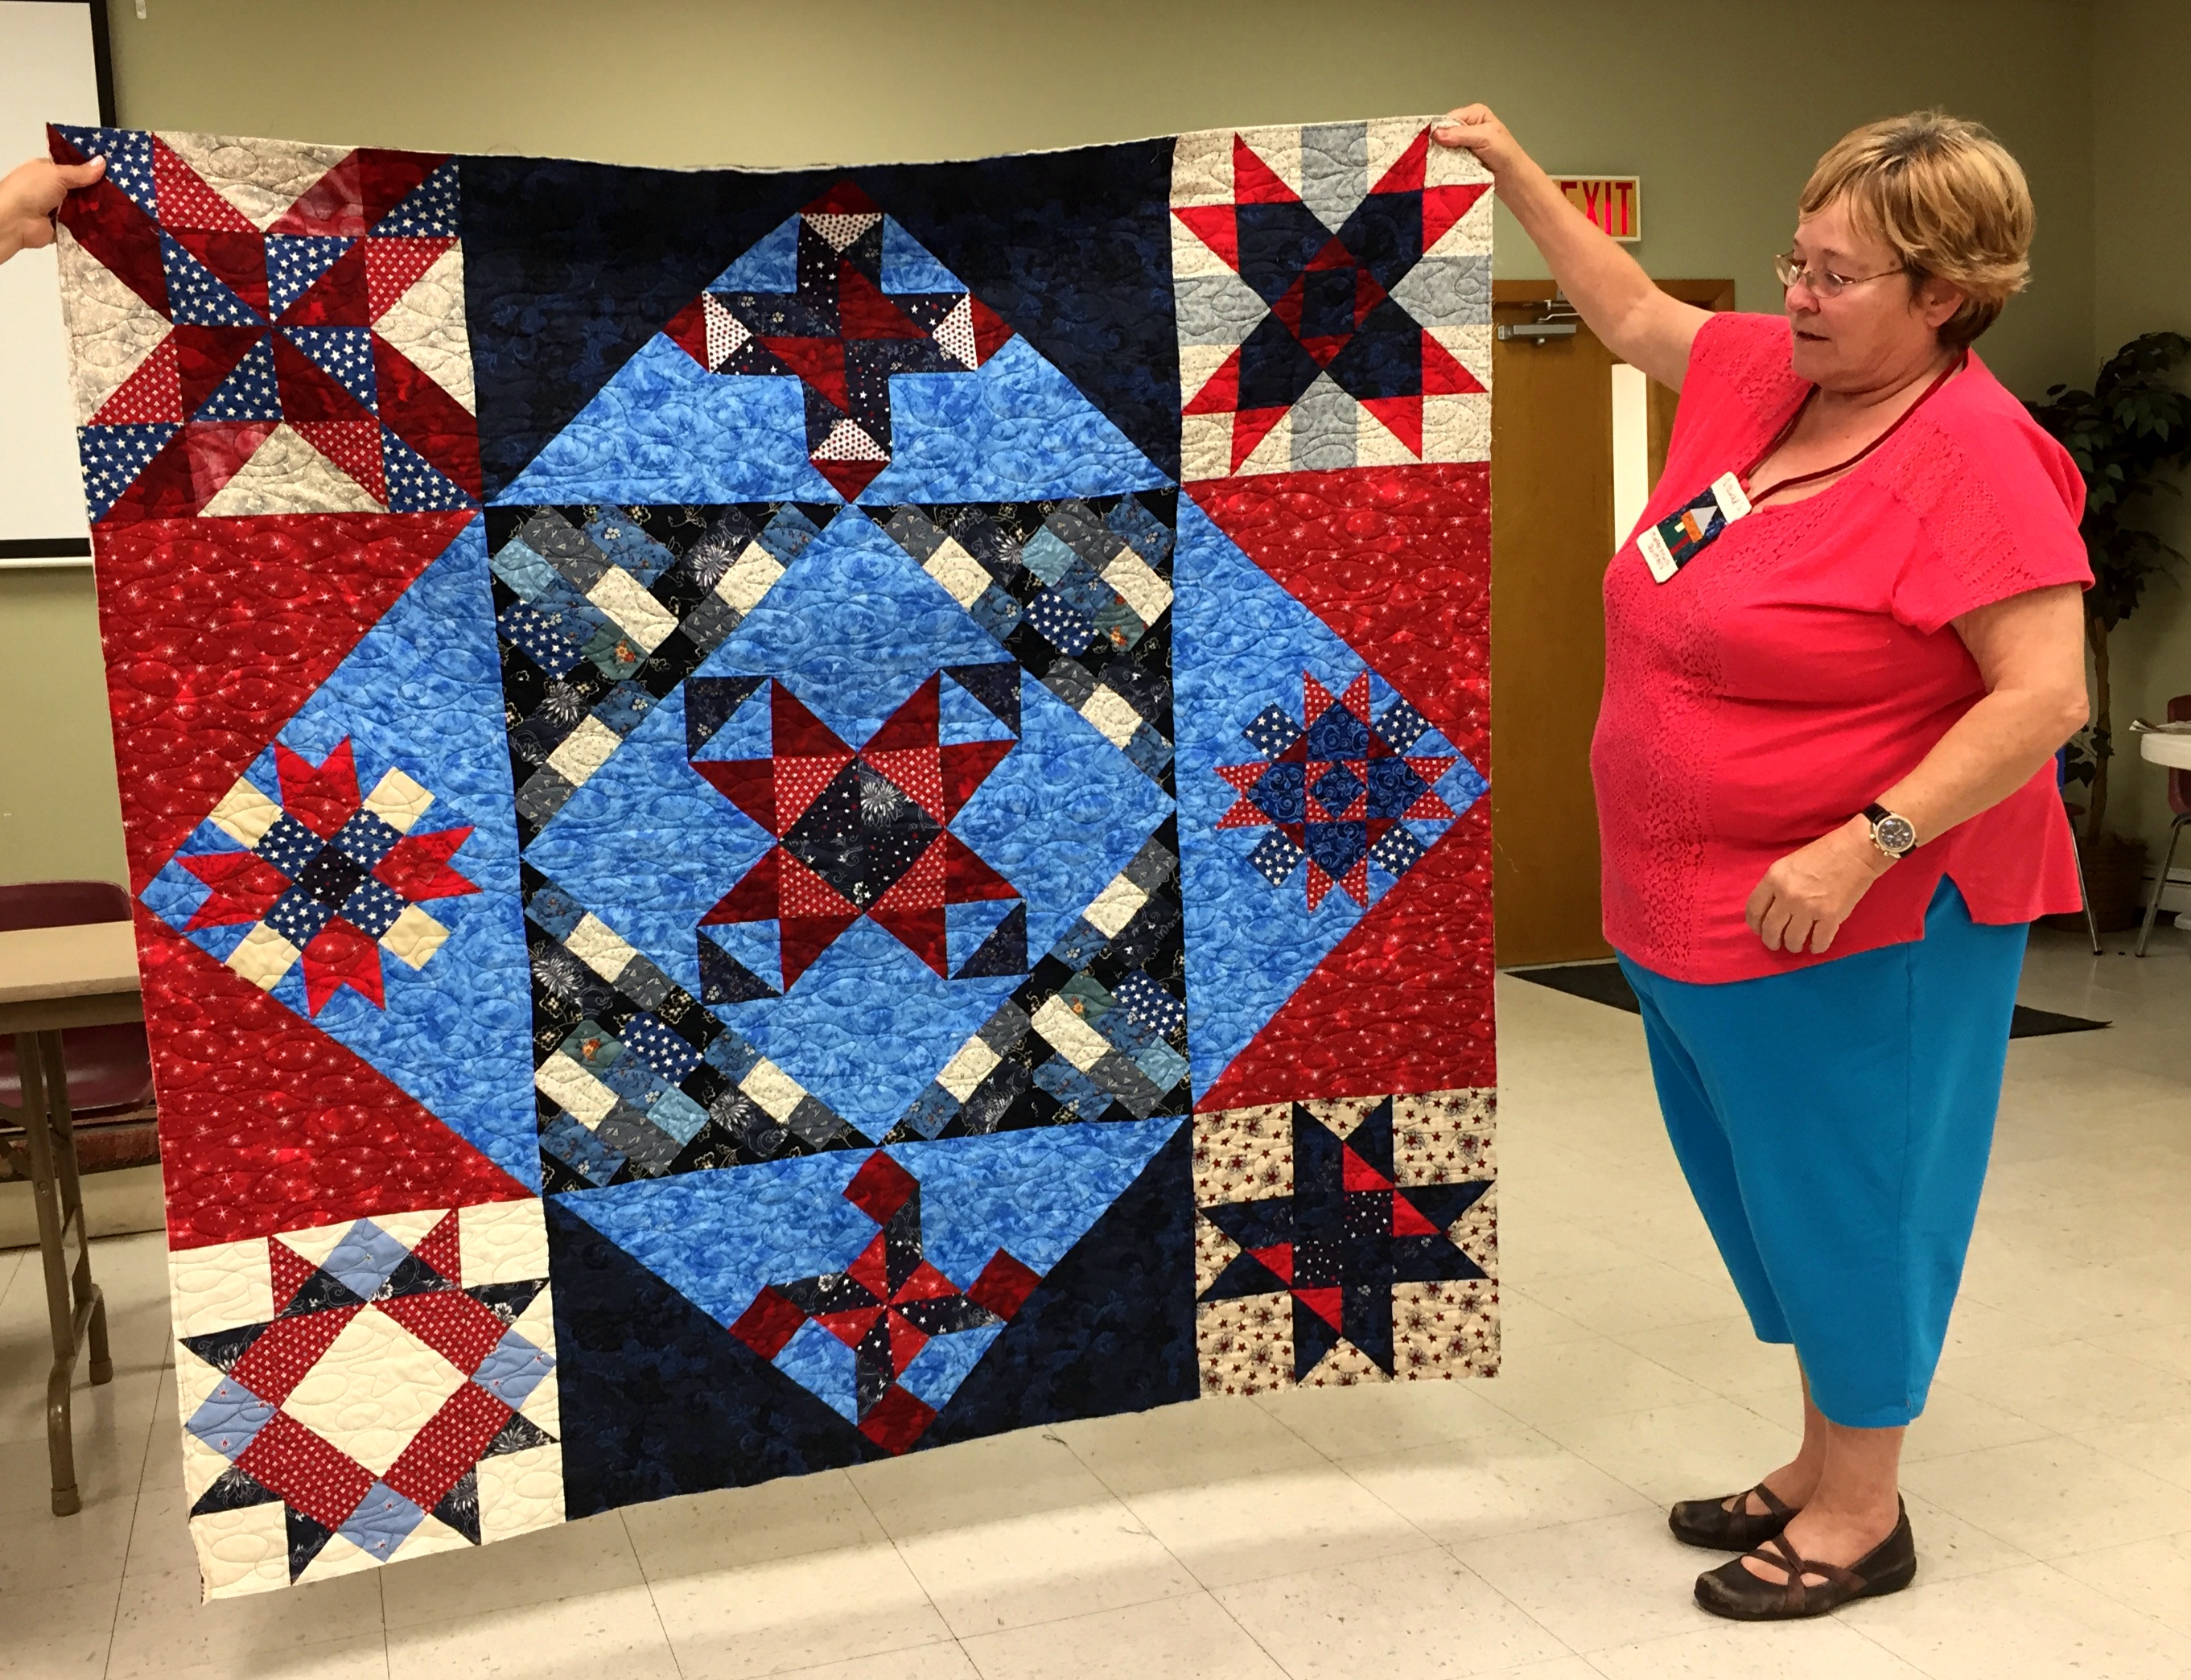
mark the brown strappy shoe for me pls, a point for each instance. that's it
(1732, 1592)
(1709, 1523)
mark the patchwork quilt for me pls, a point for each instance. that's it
(778, 818)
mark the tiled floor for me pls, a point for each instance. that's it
(1506, 1528)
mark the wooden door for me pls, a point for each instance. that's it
(1551, 534)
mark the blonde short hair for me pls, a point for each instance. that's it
(1947, 195)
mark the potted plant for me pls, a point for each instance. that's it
(2127, 435)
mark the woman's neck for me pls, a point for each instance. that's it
(1835, 403)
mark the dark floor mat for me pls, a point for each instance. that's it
(1604, 983)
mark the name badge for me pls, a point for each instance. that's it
(1678, 538)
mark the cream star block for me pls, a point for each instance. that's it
(244, 813)
(415, 936)
(315, 1245)
(1138, 585)
(521, 1491)
(968, 1068)
(645, 622)
(288, 474)
(1069, 1035)
(774, 1091)
(219, 1287)
(752, 575)
(431, 1535)
(263, 957)
(594, 944)
(1115, 906)
(340, 1556)
(1112, 714)
(584, 750)
(502, 1241)
(243, 1550)
(375, 1387)
(565, 1081)
(1201, 168)
(398, 802)
(963, 577)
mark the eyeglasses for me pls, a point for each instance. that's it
(1824, 283)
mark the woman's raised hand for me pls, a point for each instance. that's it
(29, 196)
(1472, 128)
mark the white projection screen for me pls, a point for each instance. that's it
(53, 51)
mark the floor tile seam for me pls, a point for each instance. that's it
(2160, 1632)
(1641, 1492)
(1423, 1541)
(1609, 1271)
(136, 1505)
(2058, 1558)
(1857, 1627)
(1507, 1428)
(1345, 1467)
(2078, 1435)
(2138, 1360)
(839, 1662)
(676, 1662)
(1127, 1499)
(1271, 1656)
(1196, 1587)
(904, 1563)
(1451, 1548)
(1624, 1411)
(1680, 1323)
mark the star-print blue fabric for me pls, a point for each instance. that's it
(784, 818)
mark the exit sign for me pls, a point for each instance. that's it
(1613, 202)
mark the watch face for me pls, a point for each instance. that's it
(1893, 834)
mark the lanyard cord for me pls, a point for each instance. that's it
(1781, 437)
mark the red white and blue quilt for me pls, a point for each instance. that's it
(779, 818)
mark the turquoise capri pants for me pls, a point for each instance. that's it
(1833, 1123)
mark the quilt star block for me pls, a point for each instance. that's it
(1333, 287)
(779, 818)
(267, 357)
(361, 1392)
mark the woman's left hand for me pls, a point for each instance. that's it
(1807, 895)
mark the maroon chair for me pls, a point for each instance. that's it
(109, 1070)
(2179, 801)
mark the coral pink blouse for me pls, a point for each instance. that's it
(1803, 663)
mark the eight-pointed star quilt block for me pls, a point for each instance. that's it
(780, 819)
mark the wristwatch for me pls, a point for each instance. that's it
(1893, 836)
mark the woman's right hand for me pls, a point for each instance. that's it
(1472, 128)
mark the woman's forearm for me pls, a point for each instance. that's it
(1633, 318)
(1600, 279)
(1993, 749)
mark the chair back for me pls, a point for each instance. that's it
(2179, 780)
(31, 905)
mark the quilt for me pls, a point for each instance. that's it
(779, 818)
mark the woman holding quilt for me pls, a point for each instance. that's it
(1841, 649)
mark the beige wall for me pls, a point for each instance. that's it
(1721, 105)
(2141, 147)
(59, 815)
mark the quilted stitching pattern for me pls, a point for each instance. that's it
(908, 861)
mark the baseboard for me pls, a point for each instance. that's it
(117, 1204)
(2176, 895)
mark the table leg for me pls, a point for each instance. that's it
(75, 1307)
(86, 1293)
